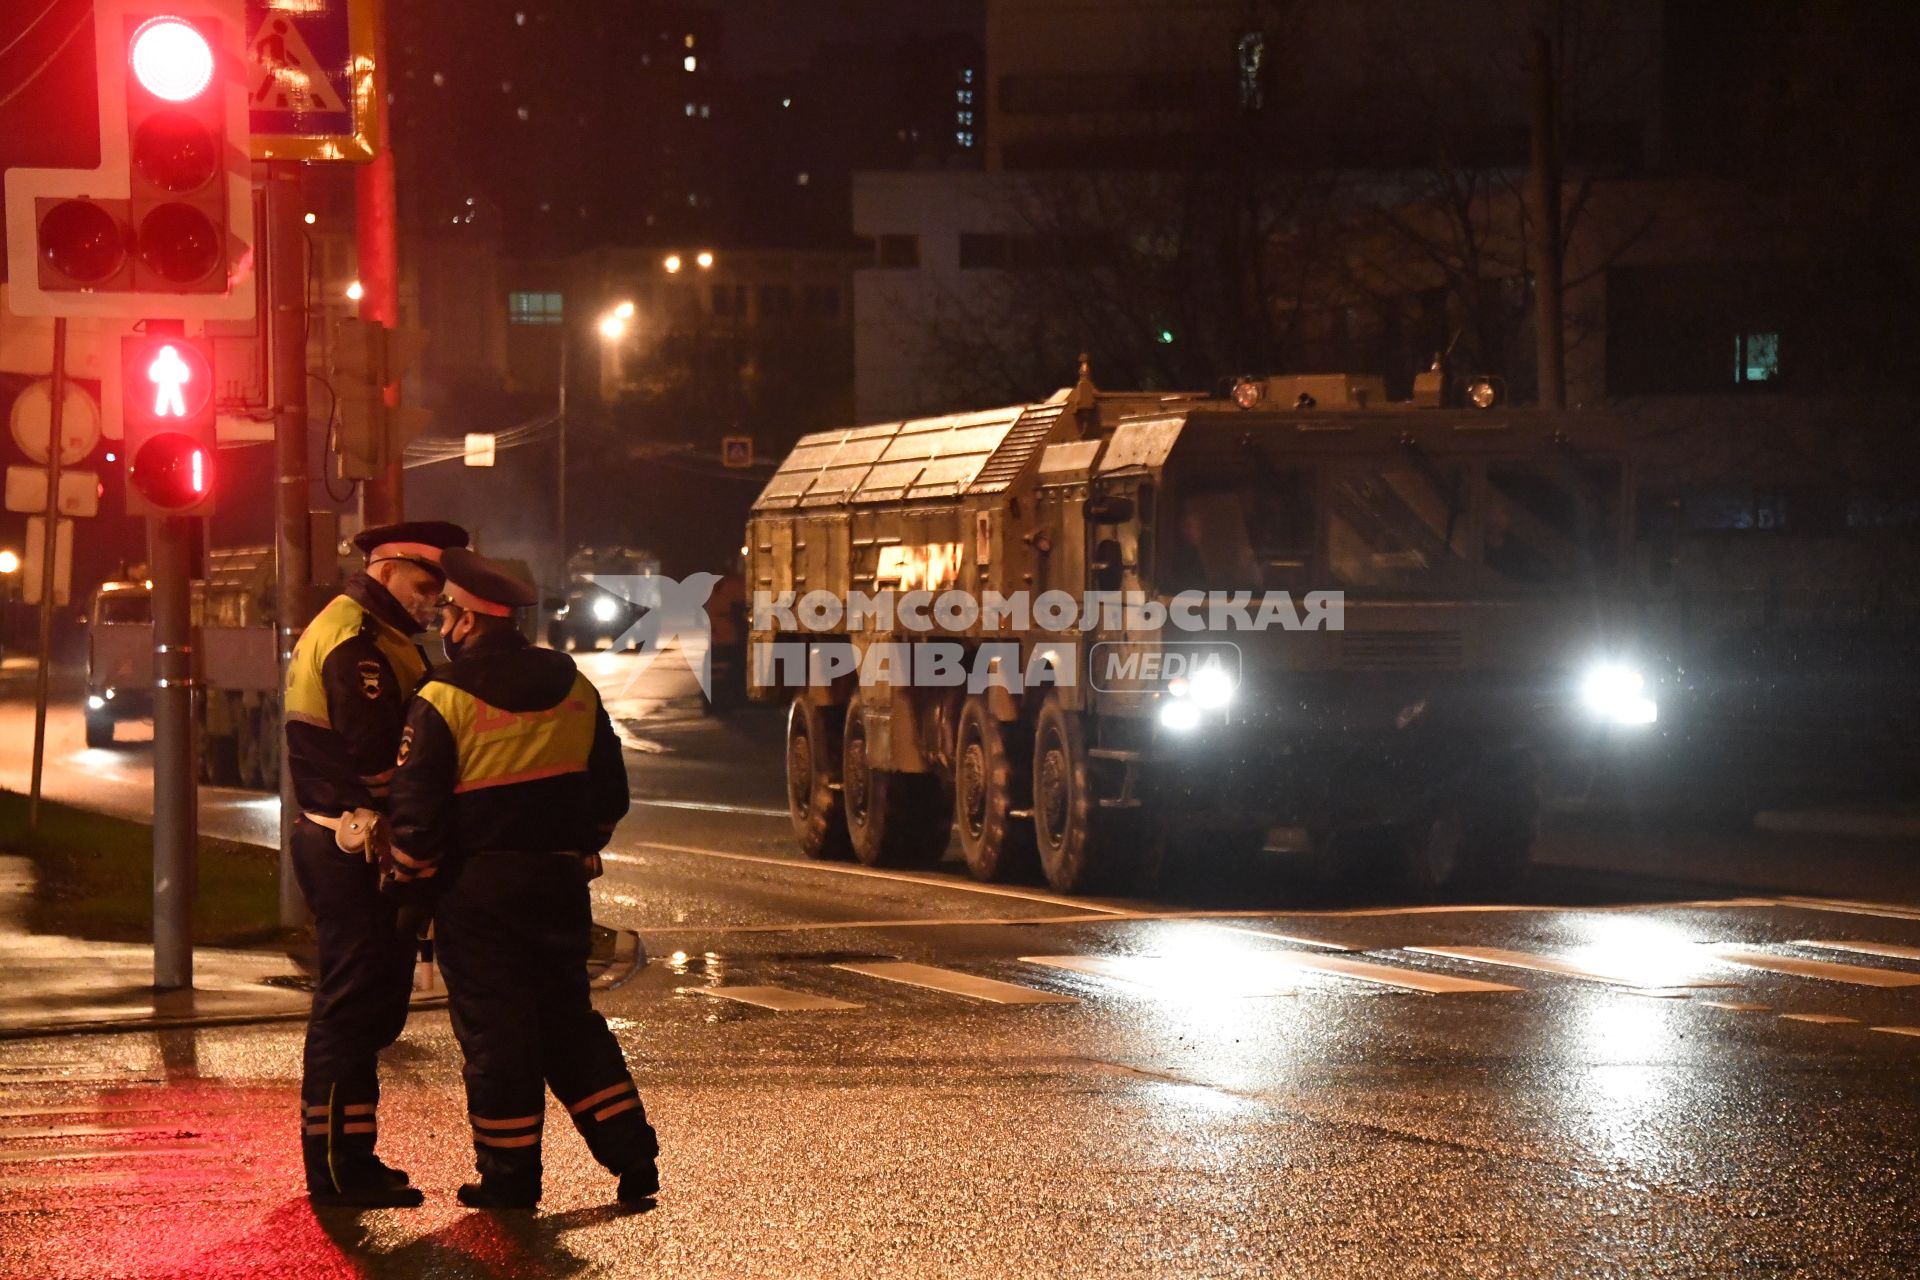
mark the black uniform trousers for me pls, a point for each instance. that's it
(366, 972)
(513, 933)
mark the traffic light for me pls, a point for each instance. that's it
(167, 408)
(368, 358)
(164, 227)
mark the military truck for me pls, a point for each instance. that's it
(1477, 556)
(237, 687)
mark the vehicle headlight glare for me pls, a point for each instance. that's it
(95, 702)
(1179, 714)
(1212, 688)
(1616, 694)
(605, 610)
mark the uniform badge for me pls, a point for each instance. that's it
(370, 678)
(406, 745)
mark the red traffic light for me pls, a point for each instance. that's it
(172, 470)
(171, 59)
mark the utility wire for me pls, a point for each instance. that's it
(28, 29)
(40, 70)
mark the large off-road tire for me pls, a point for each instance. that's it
(1434, 858)
(813, 769)
(1084, 848)
(1502, 824)
(893, 819)
(99, 729)
(992, 778)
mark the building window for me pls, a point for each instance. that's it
(776, 301)
(1756, 358)
(1251, 57)
(822, 301)
(983, 252)
(898, 251)
(534, 308)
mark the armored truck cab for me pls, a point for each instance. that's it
(1364, 620)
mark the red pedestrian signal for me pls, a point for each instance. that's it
(164, 228)
(168, 412)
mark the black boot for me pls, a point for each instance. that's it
(639, 1184)
(341, 1168)
(498, 1193)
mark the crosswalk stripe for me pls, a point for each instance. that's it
(778, 998)
(1900, 1031)
(1738, 1006)
(1556, 965)
(1850, 907)
(1824, 1019)
(1164, 975)
(1858, 974)
(1263, 973)
(960, 984)
(1889, 950)
(1438, 984)
(142, 1151)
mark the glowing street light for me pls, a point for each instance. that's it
(624, 311)
(672, 263)
(613, 326)
(9, 562)
(705, 260)
(355, 292)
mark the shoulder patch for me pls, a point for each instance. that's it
(370, 681)
(406, 745)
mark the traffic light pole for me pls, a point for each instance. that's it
(49, 559)
(175, 772)
(382, 500)
(293, 552)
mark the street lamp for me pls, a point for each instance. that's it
(672, 263)
(705, 259)
(9, 562)
(355, 292)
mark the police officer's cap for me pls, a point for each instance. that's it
(480, 585)
(420, 541)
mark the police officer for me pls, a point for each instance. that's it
(352, 672)
(509, 784)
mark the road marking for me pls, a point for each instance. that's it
(1436, 984)
(1850, 907)
(1857, 974)
(1738, 1006)
(1167, 976)
(701, 806)
(1890, 951)
(959, 984)
(1900, 1031)
(1823, 1019)
(1555, 965)
(140, 1151)
(778, 998)
(873, 873)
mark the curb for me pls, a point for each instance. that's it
(179, 1022)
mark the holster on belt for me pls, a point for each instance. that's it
(360, 831)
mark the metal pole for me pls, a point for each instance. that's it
(560, 494)
(375, 215)
(175, 822)
(1548, 303)
(49, 551)
(293, 556)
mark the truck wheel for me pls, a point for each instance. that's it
(1063, 802)
(893, 819)
(990, 780)
(1502, 825)
(819, 822)
(99, 729)
(1434, 854)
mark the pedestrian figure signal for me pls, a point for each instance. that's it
(169, 373)
(168, 409)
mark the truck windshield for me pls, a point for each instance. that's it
(1550, 522)
(124, 606)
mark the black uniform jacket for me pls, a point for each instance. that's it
(453, 796)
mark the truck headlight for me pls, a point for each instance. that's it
(1211, 688)
(605, 610)
(1616, 693)
(1179, 714)
(95, 702)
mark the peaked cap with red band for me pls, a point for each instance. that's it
(420, 541)
(480, 585)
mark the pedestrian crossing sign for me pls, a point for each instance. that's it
(736, 451)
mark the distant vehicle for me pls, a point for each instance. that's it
(587, 615)
(236, 672)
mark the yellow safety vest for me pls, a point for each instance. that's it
(342, 619)
(498, 748)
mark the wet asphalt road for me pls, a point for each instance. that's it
(1607, 1075)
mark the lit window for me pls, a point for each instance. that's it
(506, 86)
(803, 179)
(1251, 57)
(966, 117)
(786, 102)
(439, 80)
(1756, 358)
(690, 62)
(522, 113)
(689, 40)
(966, 76)
(964, 97)
(964, 138)
(705, 110)
(689, 108)
(534, 308)
(520, 18)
